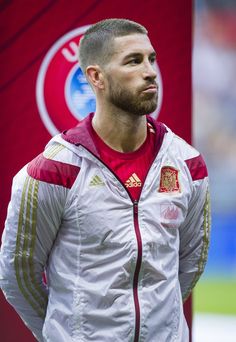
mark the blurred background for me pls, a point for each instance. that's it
(214, 130)
(43, 92)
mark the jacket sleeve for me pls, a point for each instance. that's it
(195, 231)
(33, 220)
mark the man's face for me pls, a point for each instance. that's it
(130, 75)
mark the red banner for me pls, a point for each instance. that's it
(42, 90)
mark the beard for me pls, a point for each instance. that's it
(137, 103)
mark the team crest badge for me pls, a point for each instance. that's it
(62, 93)
(169, 181)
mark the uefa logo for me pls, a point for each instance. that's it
(63, 94)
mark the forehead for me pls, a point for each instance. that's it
(133, 43)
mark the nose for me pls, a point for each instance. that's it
(149, 71)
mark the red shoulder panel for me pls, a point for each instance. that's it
(53, 172)
(197, 167)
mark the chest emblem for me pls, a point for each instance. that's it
(133, 181)
(169, 181)
(96, 181)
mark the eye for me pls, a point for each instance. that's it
(134, 61)
(152, 59)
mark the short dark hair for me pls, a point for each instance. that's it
(96, 45)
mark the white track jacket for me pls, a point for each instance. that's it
(115, 270)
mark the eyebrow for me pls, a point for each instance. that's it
(138, 54)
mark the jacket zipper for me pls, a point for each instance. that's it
(139, 257)
(136, 272)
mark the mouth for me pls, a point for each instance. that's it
(152, 88)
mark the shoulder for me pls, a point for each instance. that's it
(57, 165)
(190, 156)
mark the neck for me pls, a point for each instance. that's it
(123, 132)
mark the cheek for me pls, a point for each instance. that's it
(123, 82)
(124, 77)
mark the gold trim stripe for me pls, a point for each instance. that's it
(25, 249)
(52, 151)
(33, 242)
(29, 242)
(24, 252)
(206, 239)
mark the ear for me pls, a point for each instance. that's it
(95, 76)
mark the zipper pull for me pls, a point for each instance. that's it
(135, 204)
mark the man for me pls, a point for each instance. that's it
(114, 211)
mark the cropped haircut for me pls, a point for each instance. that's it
(96, 46)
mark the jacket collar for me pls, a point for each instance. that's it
(82, 134)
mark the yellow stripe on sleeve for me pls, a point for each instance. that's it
(21, 254)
